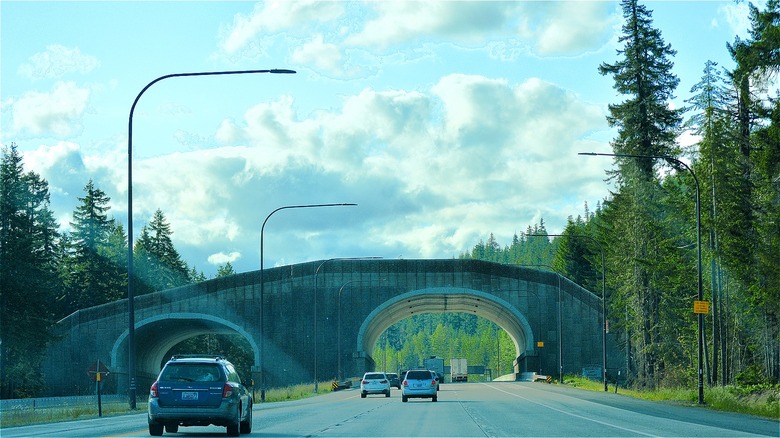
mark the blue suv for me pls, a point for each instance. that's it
(195, 390)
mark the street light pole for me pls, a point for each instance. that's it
(603, 299)
(316, 273)
(262, 285)
(130, 289)
(698, 253)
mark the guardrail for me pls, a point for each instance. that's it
(32, 404)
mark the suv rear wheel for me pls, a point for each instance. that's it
(233, 429)
(246, 426)
(155, 429)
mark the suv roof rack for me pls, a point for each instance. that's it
(197, 356)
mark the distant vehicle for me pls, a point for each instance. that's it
(419, 384)
(374, 383)
(459, 369)
(435, 364)
(394, 380)
(196, 390)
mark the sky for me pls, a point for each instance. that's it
(443, 121)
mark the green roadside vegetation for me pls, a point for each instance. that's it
(762, 399)
(295, 392)
(25, 417)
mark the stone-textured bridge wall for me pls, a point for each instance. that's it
(356, 300)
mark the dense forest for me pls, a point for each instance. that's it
(642, 239)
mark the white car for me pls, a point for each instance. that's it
(419, 384)
(374, 383)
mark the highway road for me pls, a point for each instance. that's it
(464, 410)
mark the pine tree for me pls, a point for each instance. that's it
(225, 270)
(716, 170)
(28, 266)
(647, 126)
(159, 264)
(90, 275)
(758, 61)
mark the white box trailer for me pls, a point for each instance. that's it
(459, 369)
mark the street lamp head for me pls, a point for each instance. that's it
(282, 71)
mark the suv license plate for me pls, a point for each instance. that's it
(189, 395)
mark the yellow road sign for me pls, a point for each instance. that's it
(701, 307)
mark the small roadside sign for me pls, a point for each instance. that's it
(98, 368)
(540, 344)
(701, 307)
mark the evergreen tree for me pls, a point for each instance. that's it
(647, 126)
(28, 266)
(757, 198)
(159, 265)
(90, 271)
(225, 270)
(715, 167)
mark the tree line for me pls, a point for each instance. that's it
(645, 231)
(47, 274)
(643, 238)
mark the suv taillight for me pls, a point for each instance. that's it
(406, 383)
(153, 390)
(227, 390)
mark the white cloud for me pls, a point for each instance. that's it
(57, 61)
(737, 17)
(220, 258)
(273, 16)
(433, 171)
(321, 55)
(402, 21)
(574, 27)
(549, 28)
(57, 112)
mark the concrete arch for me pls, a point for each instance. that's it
(446, 299)
(155, 336)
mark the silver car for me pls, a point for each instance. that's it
(419, 384)
(374, 383)
(195, 390)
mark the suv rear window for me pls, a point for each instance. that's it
(419, 375)
(374, 376)
(191, 372)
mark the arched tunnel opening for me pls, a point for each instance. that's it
(158, 338)
(408, 343)
(449, 300)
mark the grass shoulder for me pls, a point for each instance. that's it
(761, 400)
(24, 417)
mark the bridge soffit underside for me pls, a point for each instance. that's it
(155, 336)
(442, 300)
